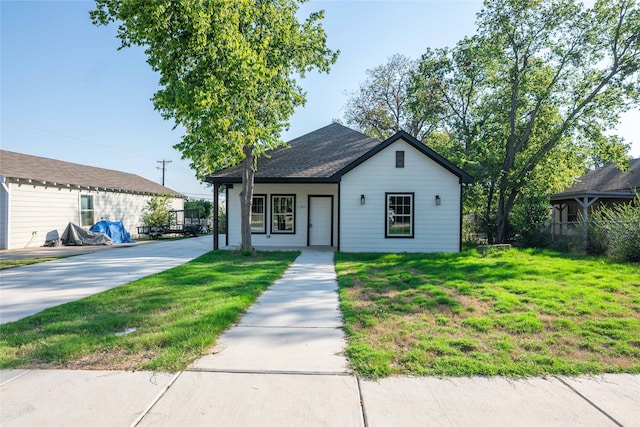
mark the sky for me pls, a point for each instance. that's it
(68, 93)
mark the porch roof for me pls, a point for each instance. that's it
(605, 182)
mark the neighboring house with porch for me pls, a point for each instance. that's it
(339, 188)
(39, 197)
(607, 185)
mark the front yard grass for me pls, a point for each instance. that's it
(172, 317)
(518, 313)
(13, 263)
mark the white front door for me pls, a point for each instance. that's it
(320, 218)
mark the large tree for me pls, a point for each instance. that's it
(383, 104)
(558, 69)
(227, 73)
(530, 100)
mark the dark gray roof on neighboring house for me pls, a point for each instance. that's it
(607, 179)
(24, 167)
(323, 156)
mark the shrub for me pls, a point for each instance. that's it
(157, 211)
(562, 245)
(222, 223)
(201, 208)
(529, 222)
(535, 238)
(620, 226)
(597, 238)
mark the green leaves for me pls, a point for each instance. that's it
(226, 71)
(531, 98)
(525, 105)
(619, 229)
(226, 68)
(380, 107)
(156, 213)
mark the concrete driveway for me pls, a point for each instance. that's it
(28, 290)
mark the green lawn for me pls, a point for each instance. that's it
(12, 263)
(517, 313)
(176, 315)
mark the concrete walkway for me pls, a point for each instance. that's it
(282, 366)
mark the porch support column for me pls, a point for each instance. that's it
(560, 208)
(585, 202)
(216, 231)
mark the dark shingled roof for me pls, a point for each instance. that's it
(24, 167)
(607, 179)
(323, 156)
(316, 156)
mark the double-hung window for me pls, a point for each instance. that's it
(283, 214)
(399, 208)
(86, 210)
(259, 214)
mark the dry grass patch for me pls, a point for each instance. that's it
(519, 313)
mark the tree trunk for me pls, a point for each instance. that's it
(246, 196)
(505, 206)
(487, 213)
(501, 220)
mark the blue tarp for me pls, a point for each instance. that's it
(113, 229)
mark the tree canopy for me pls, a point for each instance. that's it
(227, 73)
(383, 104)
(559, 71)
(530, 100)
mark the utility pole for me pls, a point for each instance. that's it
(164, 166)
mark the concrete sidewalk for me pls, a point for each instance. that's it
(282, 366)
(114, 398)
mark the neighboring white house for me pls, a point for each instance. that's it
(39, 197)
(338, 187)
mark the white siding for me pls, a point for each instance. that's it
(436, 228)
(4, 213)
(39, 212)
(301, 191)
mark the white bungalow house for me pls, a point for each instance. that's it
(339, 188)
(39, 197)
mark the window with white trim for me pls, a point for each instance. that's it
(259, 214)
(86, 210)
(399, 211)
(283, 214)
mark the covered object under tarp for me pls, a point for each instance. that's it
(74, 235)
(114, 229)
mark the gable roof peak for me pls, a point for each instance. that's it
(464, 177)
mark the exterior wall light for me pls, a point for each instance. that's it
(362, 201)
(438, 200)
